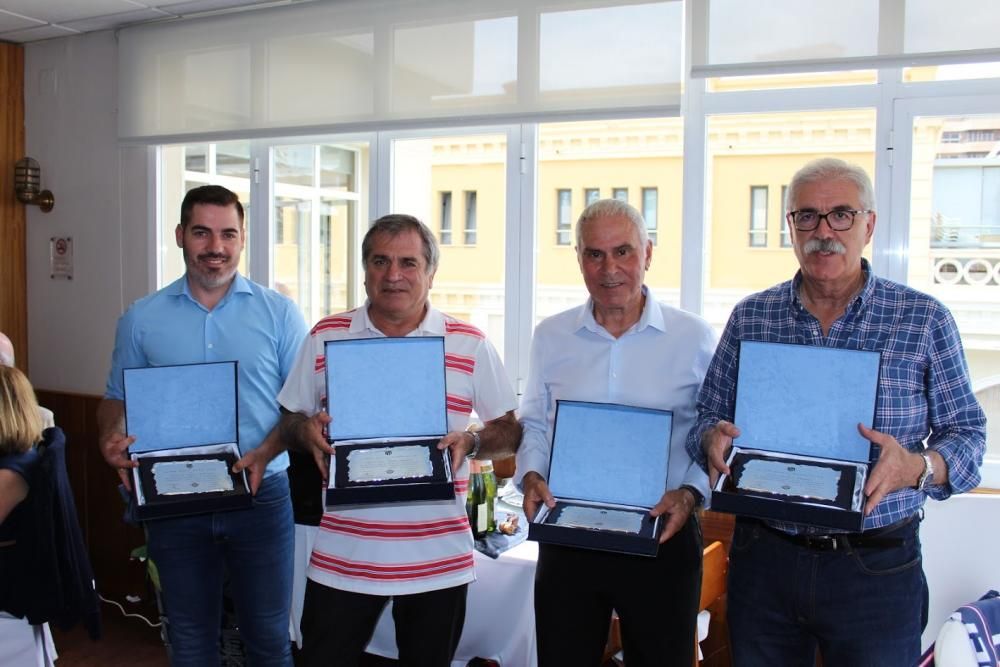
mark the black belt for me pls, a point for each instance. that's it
(870, 539)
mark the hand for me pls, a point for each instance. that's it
(310, 435)
(460, 443)
(717, 442)
(896, 468)
(114, 449)
(255, 463)
(678, 505)
(536, 491)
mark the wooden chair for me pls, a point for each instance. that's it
(715, 565)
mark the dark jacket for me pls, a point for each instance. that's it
(53, 581)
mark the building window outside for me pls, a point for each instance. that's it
(650, 203)
(621, 194)
(470, 217)
(590, 195)
(564, 208)
(786, 234)
(445, 236)
(758, 216)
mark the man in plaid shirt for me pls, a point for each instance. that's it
(861, 598)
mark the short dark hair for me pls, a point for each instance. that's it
(216, 195)
(393, 225)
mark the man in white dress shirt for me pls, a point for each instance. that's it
(621, 346)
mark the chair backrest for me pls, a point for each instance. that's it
(715, 565)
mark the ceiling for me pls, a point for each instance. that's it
(24, 21)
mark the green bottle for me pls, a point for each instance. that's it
(475, 501)
(490, 486)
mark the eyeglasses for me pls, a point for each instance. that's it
(839, 219)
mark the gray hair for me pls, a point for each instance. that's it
(395, 224)
(831, 169)
(611, 208)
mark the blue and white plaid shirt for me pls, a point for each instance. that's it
(924, 387)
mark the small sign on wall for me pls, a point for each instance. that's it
(61, 257)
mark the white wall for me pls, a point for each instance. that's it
(101, 202)
(961, 540)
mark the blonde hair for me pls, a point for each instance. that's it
(20, 421)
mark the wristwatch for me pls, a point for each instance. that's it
(927, 476)
(476, 443)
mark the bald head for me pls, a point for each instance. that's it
(6, 351)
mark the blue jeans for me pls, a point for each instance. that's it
(256, 547)
(860, 605)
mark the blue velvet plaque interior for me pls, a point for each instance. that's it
(181, 406)
(386, 387)
(609, 453)
(805, 399)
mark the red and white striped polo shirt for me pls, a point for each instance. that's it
(400, 549)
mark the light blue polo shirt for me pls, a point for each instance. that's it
(252, 324)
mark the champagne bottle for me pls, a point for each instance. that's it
(490, 488)
(475, 502)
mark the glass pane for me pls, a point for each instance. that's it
(591, 154)
(956, 25)
(455, 65)
(778, 30)
(961, 72)
(313, 227)
(295, 165)
(187, 166)
(955, 239)
(763, 151)
(625, 51)
(469, 283)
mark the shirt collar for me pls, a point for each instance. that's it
(651, 316)
(859, 299)
(180, 287)
(431, 325)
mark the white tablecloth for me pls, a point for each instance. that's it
(25, 645)
(500, 612)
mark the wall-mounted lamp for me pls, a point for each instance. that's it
(27, 185)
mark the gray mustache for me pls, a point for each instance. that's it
(824, 245)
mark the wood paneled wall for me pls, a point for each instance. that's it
(99, 506)
(13, 281)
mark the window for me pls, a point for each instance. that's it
(564, 220)
(786, 234)
(470, 217)
(445, 235)
(954, 246)
(590, 195)
(758, 216)
(650, 198)
(621, 194)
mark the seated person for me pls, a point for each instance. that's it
(20, 433)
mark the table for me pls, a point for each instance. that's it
(500, 611)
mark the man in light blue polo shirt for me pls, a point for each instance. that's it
(214, 314)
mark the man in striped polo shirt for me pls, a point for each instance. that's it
(419, 554)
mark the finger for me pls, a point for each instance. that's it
(675, 522)
(256, 477)
(124, 477)
(874, 500)
(320, 458)
(662, 507)
(530, 507)
(242, 464)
